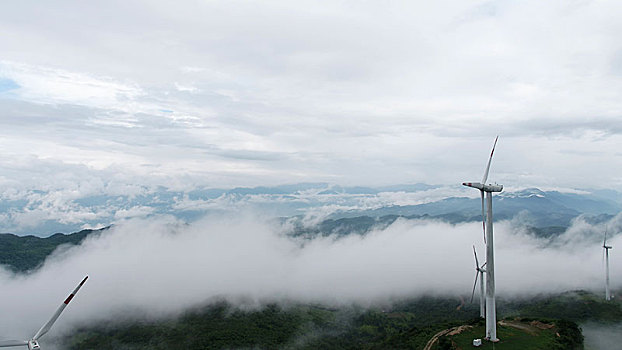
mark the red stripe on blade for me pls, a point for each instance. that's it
(68, 298)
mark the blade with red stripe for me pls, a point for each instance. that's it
(46, 327)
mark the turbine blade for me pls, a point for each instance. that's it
(476, 262)
(489, 160)
(46, 327)
(9, 343)
(605, 241)
(483, 217)
(474, 285)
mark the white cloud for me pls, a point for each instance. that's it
(134, 212)
(185, 88)
(56, 86)
(161, 266)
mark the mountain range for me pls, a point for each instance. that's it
(43, 213)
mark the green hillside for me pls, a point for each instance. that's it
(409, 324)
(25, 253)
(223, 326)
(517, 334)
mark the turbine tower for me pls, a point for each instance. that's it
(491, 312)
(479, 272)
(606, 251)
(33, 344)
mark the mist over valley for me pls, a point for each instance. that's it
(158, 267)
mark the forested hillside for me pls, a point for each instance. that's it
(25, 253)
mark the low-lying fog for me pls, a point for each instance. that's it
(601, 336)
(162, 266)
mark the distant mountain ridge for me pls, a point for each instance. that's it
(40, 212)
(544, 208)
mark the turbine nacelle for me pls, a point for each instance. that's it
(483, 187)
(607, 247)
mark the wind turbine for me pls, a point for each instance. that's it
(491, 312)
(606, 251)
(33, 344)
(479, 272)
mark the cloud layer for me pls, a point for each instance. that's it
(161, 267)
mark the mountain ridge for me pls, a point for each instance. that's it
(41, 213)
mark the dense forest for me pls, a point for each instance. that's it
(404, 325)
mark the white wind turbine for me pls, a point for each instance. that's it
(606, 251)
(33, 344)
(479, 272)
(491, 312)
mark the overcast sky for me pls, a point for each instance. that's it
(242, 93)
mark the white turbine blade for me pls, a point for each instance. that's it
(10, 343)
(605, 241)
(46, 327)
(489, 160)
(476, 262)
(483, 217)
(474, 285)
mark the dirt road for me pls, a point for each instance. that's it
(449, 331)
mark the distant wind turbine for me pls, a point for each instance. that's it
(606, 251)
(479, 272)
(491, 312)
(33, 344)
